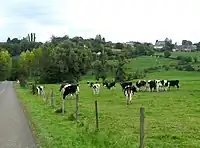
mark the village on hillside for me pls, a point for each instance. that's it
(186, 45)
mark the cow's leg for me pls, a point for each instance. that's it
(93, 91)
(157, 88)
(38, 91)
(130, 98)
(127, 99)
(177, 86)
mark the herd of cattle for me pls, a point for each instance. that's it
(127, 87)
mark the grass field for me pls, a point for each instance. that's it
(179, 53)
(142, 62)
(172, 119)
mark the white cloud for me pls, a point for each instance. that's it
(116, 20)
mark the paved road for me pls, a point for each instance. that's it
(14, 128)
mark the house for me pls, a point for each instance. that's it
(159, 44)
(186, 48)
(130, 43)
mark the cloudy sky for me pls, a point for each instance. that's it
(116, 20)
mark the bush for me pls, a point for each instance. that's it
(188, 68)
(183, 58)
(167, 54)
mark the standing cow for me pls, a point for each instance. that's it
(67, 89)
(140, 84)
(128, 92)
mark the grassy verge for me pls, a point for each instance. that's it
(171, 118)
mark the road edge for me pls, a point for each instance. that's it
(28, 117)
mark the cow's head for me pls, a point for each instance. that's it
(62, 86)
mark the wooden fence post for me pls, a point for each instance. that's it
(76, 107)
(52, 98)
(97, 118)
(141, 127)
(47, 96)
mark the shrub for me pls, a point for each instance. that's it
(167, 54)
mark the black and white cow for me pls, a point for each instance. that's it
(140, 84)
(159, 85)
(90, 83)
(40, 90)
(173, 83)
(67, 89)
(95, 87)
(105, 83)
(165, 84)
(123, 84)
(128, 92)
(110, 85)
(152, 85)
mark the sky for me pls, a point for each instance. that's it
(116, 20)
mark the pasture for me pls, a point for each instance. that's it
(180, 53)
(172, 118)
(142, 62)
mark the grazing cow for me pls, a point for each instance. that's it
(158, 85)
(173, 83)
(165, 84)
(141, 83)
(152, 85)
(40, 90)
(90, 84)
(67, 89)
(105, 83)
(96, 88)
(128, 92)
(123, 84)
(110, 85)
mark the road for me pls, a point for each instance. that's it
(14, 127)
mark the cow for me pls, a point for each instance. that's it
(67, 89)
(110, 85)
(123, 84)
(90, 83)
(159, 85)
(141, 83)
(173, 83)
(128, 92)
(105, 83)
(40, 90)
(95, 87)
(165, 84)
(152, 85)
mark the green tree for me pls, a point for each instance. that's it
(5, 65)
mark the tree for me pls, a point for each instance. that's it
(120, 69)
(186, 42)
(167, 54)
(5, 65)
(119, 46)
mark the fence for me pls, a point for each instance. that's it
(141, 123)
(50, 94)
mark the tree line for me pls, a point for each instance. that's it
(66, 59)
